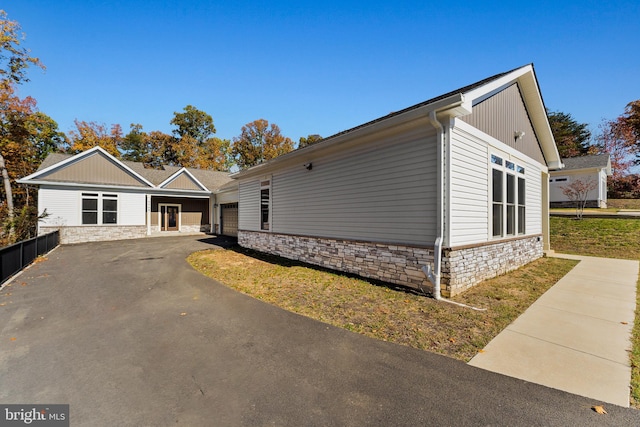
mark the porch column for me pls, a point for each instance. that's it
(212, 214)
(148, 197)
(546, 245)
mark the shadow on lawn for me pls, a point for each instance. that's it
(232, 245)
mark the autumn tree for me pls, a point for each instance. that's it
(14, 59)
(14, 63)
(309, 140)
(87, 135)
(27, 136)
(259, 142)
(578, 193)
(572, 138)
(195, 144)
(631, 118)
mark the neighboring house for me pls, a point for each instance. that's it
(459, 182)
(593, 169)
(94, 196)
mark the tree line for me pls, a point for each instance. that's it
(619, 137)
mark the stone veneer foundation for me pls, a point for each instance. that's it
(89, 233)
(465, 267)
(462, 267)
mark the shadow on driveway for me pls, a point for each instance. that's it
(128, 333)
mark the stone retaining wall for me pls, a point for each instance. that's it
(387, 262)
(89, 233)
(461, 268)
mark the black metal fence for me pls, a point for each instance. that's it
(17, 256)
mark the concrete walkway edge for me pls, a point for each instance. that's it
(577, 336)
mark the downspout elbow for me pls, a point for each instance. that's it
(433, 274)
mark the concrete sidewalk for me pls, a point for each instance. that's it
(577, 336)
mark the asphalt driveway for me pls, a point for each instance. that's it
(128, 333)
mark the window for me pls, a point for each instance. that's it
(508, 198)
(95, 203)
(110, 209)
(497, 203)
(511, 204)
(521, 204)
(265, 204)
(89, 208)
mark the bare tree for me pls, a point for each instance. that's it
(578, 192)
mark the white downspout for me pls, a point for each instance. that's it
(434, 275)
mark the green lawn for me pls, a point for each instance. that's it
(611, 238)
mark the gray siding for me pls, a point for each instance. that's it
(249, 205)
(383, 192)
(94, 169)
(501, 115)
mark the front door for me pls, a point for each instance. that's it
(169, 218)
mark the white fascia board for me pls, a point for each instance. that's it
(161, 191)
(176, 194)
(489, 89)
(78, 157)
(177, 174)
(525, 77)
(80, 185)
(454, 105)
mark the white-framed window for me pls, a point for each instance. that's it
(265, 204)
(508, 198)
(90, 208)
(99, 208)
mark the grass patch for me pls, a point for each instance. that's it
(383, 311)
(610, 238)
(603, 237)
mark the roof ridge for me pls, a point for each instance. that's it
(463, 89)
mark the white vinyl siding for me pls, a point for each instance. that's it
(131, 208)
(383, 193)
(533, 195)
(555, 186)
(469, 214)
(64, 206)
(470, 185)
(61, 205)
(249, 205)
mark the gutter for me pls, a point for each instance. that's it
(434, 274)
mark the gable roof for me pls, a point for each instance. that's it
(103, 168)
(455, 103)
(204, 180)
(597, 161)
(184, 180)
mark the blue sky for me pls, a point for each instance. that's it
(321, 66)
